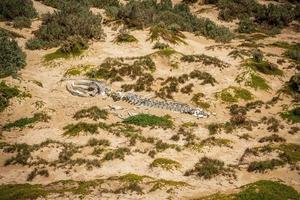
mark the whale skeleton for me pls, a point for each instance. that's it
(91, 88)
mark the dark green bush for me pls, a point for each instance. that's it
(262, 166)
(294, 84)
(237, 9)
(12, 58)
(11, 9)
(246, 26)
(6, 93)
(73, 19)
(74, 45)
(275, 15)
(208, 168)
(147, 13)
(22, 22)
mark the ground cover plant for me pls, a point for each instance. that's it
(149, 120)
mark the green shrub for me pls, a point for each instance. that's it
(11, 9)
(6, 93)
(257, 82)
(290, 152)
(264, 67)
(24, 122)
(165, 163)
(292, 115)
(74, 19)
(262, 166)
(93, 113)
(149, 120)
(35, 43)
(117, 154)
(173, 36)
(75, 129)
(95, 142)
(237, 9)
(208, 168)
(12, 58)
(233, 94)
(275, 15)
(246, 26)
(293, 52)
(22, 22)
(11, 34)
(267, 190)
(272, 138)
(125, 38)
(293, 86)
(72, 47)
(147, 13)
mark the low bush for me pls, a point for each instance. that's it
(264, 67)
(149, 120)
(11, 9)
(73, 19)
(165, 163)
(272, 138)
(246, 26)
(262, 166)
(149, 13)
(173, 35)
(125, 38)
(233, 94)
(72, 47)
(292, 115)
(75, 129)
(12, 58)
(7, 93)
(24, 122)
(267, 190)
(208, 168)
(21, 22)
(293, 52)
(93, 113)
(117, 154)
